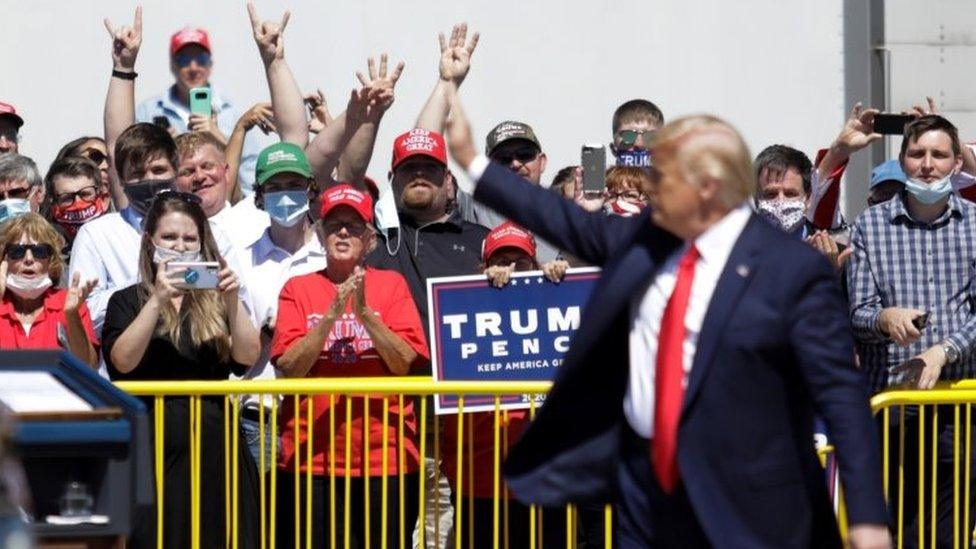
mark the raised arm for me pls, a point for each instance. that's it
(455, 62)
(857, 133)
(286, 99)
(355, 156)
(259, 115)
(120, 110)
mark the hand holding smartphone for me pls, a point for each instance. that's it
(594, 162)
(197, 275)
(200, 102)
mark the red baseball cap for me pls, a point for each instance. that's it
(186, 36)
(419, 141)
(508, 235)
(8, 111)
(347, 195)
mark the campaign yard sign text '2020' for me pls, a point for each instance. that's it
(517, 333)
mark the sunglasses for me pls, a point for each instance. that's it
(94, 155)
(524, 156)
(19, 251)
(629, 137)
(354, 228)
(86, 194)
(183, 60)
(168, 194)
(10, 135)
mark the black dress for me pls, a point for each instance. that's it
(165, 361)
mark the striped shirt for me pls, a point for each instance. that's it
(900, 262)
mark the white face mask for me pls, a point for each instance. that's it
(785, 214)
(386, 212)
(929, 193)
(162, 254)
(28, 287)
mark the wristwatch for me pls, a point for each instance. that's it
(951, 352)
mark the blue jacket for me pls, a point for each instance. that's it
(775, 348)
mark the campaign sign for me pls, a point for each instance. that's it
(516, 333)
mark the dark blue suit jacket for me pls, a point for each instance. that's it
(775, 348)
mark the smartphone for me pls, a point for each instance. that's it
(200, 102)
(921, 321)
(594, 162)
(161, 121)
(201, 275)
(891, 124)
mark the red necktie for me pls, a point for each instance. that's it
(669, 376)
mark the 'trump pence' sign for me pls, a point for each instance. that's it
(518, 333)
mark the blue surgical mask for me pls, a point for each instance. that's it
(13, 207)
(929, 193)
(637, 158)
(286, 208)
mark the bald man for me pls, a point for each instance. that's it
(689, 392)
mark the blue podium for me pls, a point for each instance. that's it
(84, 446)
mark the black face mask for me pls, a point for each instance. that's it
(142, 193)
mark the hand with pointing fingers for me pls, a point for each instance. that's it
(456, 54)
(268, 35)
(379, 86)
(125, 42)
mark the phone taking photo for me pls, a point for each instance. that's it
(197, 275)
(891, 124)
(921, 321)
(200, 102)
(594, 162)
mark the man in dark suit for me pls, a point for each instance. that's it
(688, 395)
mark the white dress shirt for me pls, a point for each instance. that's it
(107, 248)
(243, 222)
(647, 310)
(266, 269)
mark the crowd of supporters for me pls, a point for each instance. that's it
(322, 273)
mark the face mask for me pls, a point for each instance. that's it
(637, 158)
(28, 287)
(386, 212)
(142, 193)
(929, 193)
(286, 208)
(785, 214)
(162, 254)
(13, 207)
(70, 218)
(622, 207)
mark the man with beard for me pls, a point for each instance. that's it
(432, 239)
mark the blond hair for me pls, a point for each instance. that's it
(709, 148)
(203, 310)
(35, 227)
(189, 142)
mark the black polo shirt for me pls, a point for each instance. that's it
(443, 248)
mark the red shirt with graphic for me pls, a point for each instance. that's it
(348, 352)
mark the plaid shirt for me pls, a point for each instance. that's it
(900, 262)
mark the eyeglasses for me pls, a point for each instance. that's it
(629, 137)
(85, 194)
(631, 195)
(38, 251)
(183, 60)
(94, 155)
(524, 156)
(354, 228)
(21, 192)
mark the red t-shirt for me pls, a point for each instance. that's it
(44, 330)
(348, 352)
(481, 462)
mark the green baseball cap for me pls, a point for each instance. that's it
(507, 131)
(281, 158)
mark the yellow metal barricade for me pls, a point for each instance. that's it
(926, 439)
(326, 494)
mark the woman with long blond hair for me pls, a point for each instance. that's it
(157, 329)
